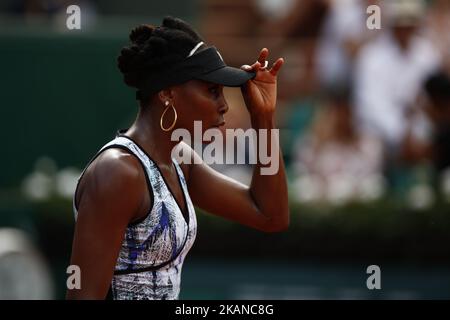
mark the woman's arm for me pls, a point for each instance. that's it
(264, 204)
(110, 199)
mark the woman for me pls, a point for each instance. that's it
(134, 203)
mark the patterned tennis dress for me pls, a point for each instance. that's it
(154, 248)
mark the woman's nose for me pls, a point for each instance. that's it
(223, 108)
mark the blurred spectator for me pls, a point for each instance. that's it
(438, 21)
(231, 25)
(294, 34)
(389, 73)
(275, 9)
(293, 18)
(437, 88)
(333, 161)
(343, 32)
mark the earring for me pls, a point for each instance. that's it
(162, 116)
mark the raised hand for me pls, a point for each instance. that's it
(260, 93)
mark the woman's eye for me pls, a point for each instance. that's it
(214, 90)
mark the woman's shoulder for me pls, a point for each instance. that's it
(111, 190)
(113, 173)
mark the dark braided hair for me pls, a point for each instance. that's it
(155, 48)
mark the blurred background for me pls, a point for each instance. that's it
(365, 130)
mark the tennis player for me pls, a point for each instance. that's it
(134, 203)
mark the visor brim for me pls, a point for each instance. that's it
(227, 76)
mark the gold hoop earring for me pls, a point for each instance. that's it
(162, 116)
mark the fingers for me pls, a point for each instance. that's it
(276, 66)
(261, 63)
(264, 53)
(254, 67)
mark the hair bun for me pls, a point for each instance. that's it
(141, 33)
(155, 48)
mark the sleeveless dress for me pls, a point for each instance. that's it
(154, 248)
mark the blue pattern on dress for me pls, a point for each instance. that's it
(157, 239)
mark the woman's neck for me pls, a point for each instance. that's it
(147, 133)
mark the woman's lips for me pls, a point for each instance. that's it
(219, 125)
(220, 122)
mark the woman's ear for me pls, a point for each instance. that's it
(165, 95)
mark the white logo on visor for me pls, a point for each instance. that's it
(195, 49)
(219, 55)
